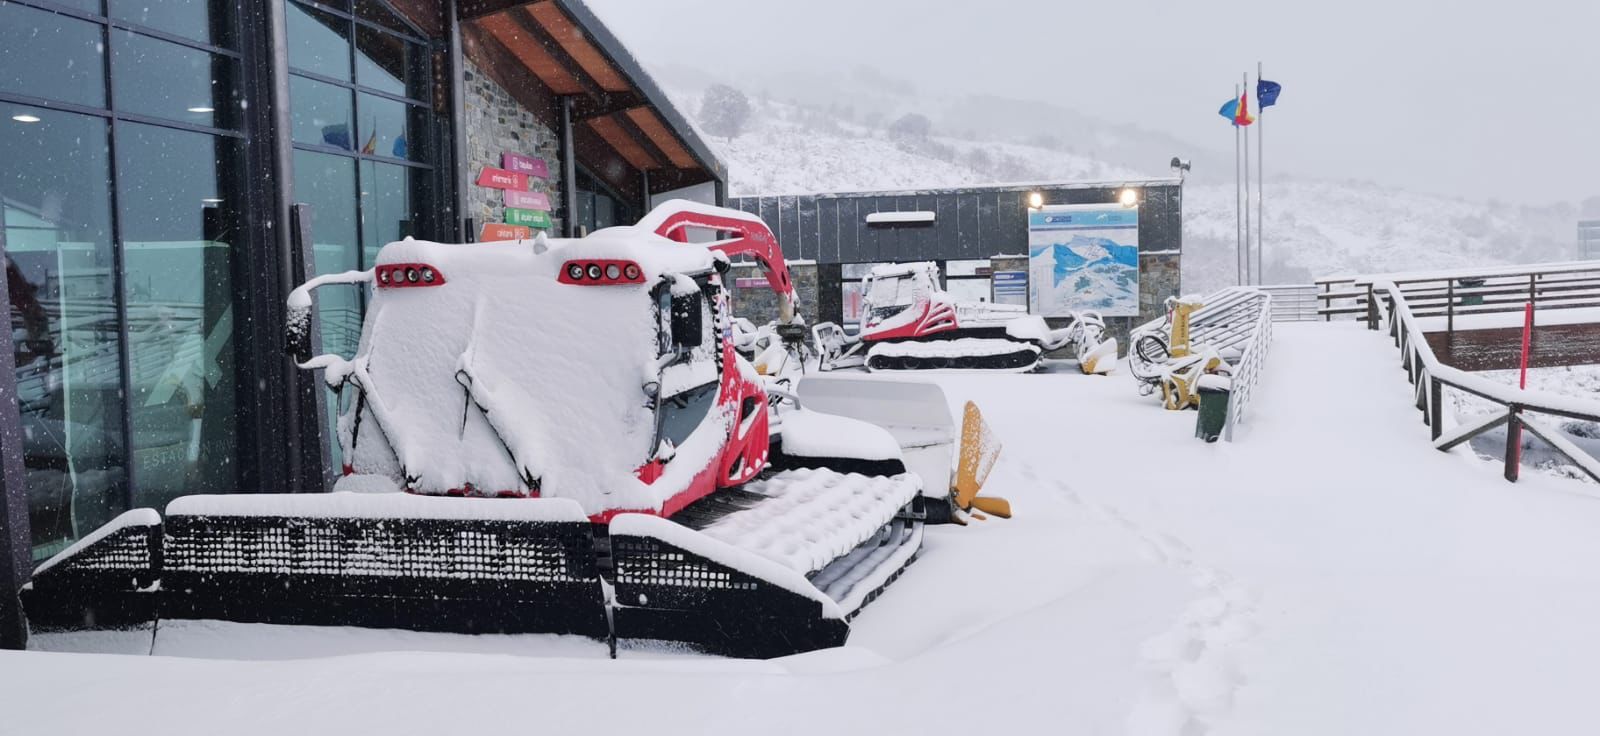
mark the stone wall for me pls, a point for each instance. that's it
(757, 303)
(497, 123)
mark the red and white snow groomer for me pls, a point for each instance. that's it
(909, 323)
(654, 487)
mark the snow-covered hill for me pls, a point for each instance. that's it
(1313, 228)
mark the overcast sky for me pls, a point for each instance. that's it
(1480, 98)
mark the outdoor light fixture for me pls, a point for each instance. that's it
(202, 109)
(1128, 198)
(1035, 200)
(1180, 166)
(25, 118)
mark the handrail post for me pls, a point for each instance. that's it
(1450, 309)
(1513, 443)
(1435, 407)
(1372, 310)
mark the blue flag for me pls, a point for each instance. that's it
(1267, 93)
(1230, 110)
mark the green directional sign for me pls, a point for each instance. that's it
(531, 218)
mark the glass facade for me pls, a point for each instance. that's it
(118, 141)
(359, 102)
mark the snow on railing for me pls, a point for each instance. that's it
(1428, 376)
(1293, 302)
(1247, 370)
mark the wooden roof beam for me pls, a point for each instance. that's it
(575, 43)
(511, 34)
(615, 136)
(653, 128)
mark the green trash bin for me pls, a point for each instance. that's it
(1470, 300)
(1214, 391)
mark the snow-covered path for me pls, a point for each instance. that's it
(1327, 573)
(1349, 579)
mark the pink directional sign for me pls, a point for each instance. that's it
(528, 200)
(521, 164)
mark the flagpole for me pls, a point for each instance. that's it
(1261, 182)
(1246, 128)
(1238, 223)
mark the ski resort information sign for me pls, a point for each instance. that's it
(1083, 257)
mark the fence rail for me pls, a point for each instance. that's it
(1251, 362)
(1428, 378)
(1465, 292)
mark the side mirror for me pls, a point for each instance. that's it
(686, 323)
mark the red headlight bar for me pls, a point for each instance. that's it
(408, 274)
(600, 273)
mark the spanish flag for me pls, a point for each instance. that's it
(1244, 117)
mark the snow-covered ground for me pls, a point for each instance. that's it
(1327, 573)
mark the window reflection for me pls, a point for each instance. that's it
(162, 79)
(372, 10)
(383, 62)
(385, 127)
(318, 42)
(328, 183)
(386, 214)
(54, 187)
(207, 21)
(52, 56)
(320, 114)
(176, 232)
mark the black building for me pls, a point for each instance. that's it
(169, 170)
(971, 232)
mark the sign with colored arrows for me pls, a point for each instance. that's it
(528, 200)
(496, 231)
(502, 179)
(526, 165)
(530, 218)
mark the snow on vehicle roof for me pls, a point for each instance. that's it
(656, 255)
(501, 374)
(899, 269)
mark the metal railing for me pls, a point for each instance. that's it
(1293, 302)
(1247, 370)
(1428, 378)
(1465, 292)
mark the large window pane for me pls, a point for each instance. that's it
(177, 232)
(44, 54)
(387, 63)
(208, 21)
(328, 184)
(54, 188)
(161, 79)
(318, 42)
(386, 212)
(386, 127)
(321, 114)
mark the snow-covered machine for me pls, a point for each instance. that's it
(909, 323)
(658, 487)
(1195, 337)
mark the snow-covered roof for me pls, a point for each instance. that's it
(997, 187)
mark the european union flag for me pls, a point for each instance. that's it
(1267, 93)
